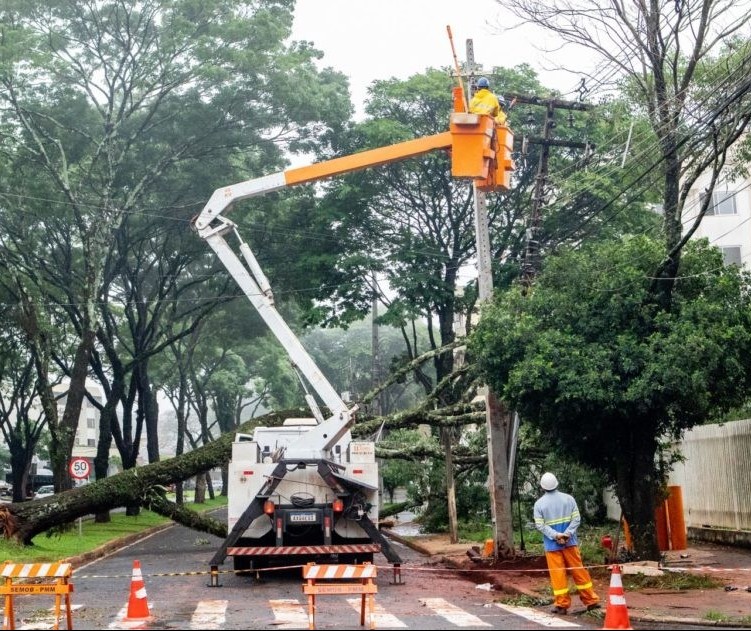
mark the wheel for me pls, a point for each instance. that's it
(356, 559)
(241, 564)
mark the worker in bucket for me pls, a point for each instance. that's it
(557, 518)
(487, 103)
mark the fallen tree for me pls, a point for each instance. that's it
(145, 485)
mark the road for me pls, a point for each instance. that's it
(174, 564)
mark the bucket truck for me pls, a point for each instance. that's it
(306, 491)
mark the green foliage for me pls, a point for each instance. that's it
(524, 600)
(410, 474)
(478, 530)
(717, 616)
(396, 473)
(589, 360)
(345, 356)
(472, 500)
(671, 580)
(600, 370)
(69, 543)
(538, 454)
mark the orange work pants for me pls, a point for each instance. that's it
(569, 560)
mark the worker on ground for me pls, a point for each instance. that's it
(557, 518)
(487, 103)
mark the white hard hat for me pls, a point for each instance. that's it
(548, 481)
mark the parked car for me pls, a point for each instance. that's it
(44, 491)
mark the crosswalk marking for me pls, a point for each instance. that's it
(383, 619)
(121, 623)
(209, 614)
(292, 613)
(289, 614)
(539, 617)
(452, 613)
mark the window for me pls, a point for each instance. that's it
(90, 422)
(91, 442)
(731, 255)
(723, 203)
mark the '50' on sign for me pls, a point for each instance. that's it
(79, 468)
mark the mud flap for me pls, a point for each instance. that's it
(377, 536)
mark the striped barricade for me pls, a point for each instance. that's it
(341, 579)
(25, 579)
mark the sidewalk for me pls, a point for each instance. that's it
(729, 605)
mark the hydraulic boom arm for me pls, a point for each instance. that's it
(480, 151)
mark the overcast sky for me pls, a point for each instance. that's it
(368, 40)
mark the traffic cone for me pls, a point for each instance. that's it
(138, 607)
(616, 614)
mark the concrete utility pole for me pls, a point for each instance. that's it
(497, 418)
(531, 263)
(375, 368)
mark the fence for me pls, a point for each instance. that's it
(715, 477)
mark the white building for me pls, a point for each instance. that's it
(727, 223)
(87, 432)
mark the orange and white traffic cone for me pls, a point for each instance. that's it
(616, 614)
(138, 607)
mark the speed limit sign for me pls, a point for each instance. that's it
(79, 468)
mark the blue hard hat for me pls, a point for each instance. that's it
(482, 82)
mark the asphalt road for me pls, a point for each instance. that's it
(175, 563)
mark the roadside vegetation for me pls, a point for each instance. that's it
(528, 543)
(628, 336)
(78, 538)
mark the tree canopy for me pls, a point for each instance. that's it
(117, 120)
(612, 379)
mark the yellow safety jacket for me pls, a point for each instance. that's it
(485, 102)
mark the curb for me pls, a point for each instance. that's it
(699, 622)
(407, 542)
(115, 544)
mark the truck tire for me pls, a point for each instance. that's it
(241, 564)
(356, 559)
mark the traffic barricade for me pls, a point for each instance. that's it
(27, 579)
(341, 579)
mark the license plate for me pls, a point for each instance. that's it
(303, 518)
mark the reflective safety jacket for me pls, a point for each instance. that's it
(485, 102)
(557, 513)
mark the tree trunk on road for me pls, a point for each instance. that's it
(22, 521)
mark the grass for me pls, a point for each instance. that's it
(473, 531)
(716, 616)
(522, 600)
(671, 580)
(74, 540)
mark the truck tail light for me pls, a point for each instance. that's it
(337, 506)
(268, 507)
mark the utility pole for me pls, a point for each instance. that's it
(531, 264)
(375, 367)
(497, 417)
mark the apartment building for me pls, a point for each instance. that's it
(727, 223)
(87, 432)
